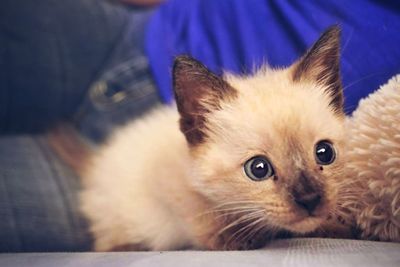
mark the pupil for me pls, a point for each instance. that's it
(324, 153)
(259, 169)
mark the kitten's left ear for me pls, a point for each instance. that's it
(321, 64)
(198, 92)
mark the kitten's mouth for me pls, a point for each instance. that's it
(309, 212)
(305, 224)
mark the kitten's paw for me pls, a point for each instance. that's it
(229, 242)
(335, 228)
(254, 243)
(129, 247)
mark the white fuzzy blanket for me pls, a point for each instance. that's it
(371, 187)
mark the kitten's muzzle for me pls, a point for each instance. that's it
(309, 202)
(307, 193)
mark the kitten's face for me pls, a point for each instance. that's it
(267, 148)
(282, 124)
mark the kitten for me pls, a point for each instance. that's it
(255, 156)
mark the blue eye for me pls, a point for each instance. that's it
(324, 153)
(258, 168)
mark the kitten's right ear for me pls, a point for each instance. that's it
(321, 64)
(198, 92)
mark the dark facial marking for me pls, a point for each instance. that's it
(307, 192)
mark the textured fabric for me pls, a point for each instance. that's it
(38, 199)
(372, 174)
(291, 252)
(242, 34)
(38, 194)
(124, 89)
(51, 52)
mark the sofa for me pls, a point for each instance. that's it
(285, 252)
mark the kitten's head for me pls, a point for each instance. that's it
(267, 147)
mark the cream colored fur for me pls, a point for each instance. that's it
(371, 189)
(135, 182)
(146, 187)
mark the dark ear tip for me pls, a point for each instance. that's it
(332, 33)
(336, 28)
(186, 68)
(183, 57)
(184, 61)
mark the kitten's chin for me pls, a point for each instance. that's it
(305, 225)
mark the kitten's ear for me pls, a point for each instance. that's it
(198, 92)
(321, 64)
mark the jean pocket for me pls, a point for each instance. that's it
(125, 83)
(119, 95)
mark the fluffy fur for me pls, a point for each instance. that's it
(371, 189)
(155, 187)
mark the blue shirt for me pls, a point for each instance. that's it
(238, 35)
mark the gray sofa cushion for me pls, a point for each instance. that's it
(289, 252)
(38, 199)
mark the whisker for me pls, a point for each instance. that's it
(249, 227)
(361, 79)
(235, 206)
(347, 41)
(242, 219)
(255, 230)
(235, 212)
(227, 210)
(239, 202)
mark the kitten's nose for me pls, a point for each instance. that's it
(308, 202)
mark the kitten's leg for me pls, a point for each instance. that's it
(335, 228)
(222, 233)
(129, 247)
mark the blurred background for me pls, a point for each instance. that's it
(97, 64)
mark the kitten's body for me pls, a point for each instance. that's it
(152, 188)
(138, 186)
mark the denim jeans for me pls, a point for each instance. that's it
(80, 60)
(124, 89)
